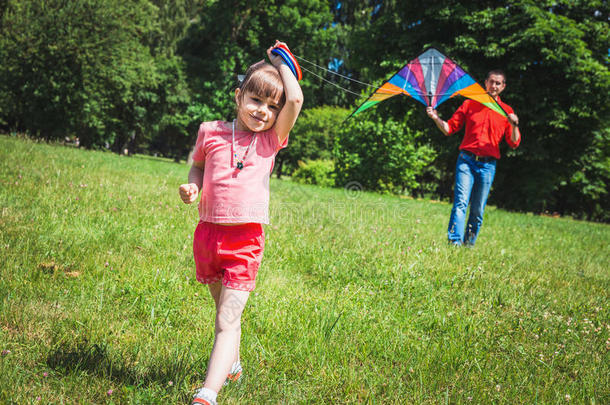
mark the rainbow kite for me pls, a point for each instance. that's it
(431, 79)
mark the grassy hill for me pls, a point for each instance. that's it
(358, 300)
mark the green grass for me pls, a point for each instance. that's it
(358, 300)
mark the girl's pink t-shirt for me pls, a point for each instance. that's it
(231, 195)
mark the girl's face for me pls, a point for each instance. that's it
(256, 113)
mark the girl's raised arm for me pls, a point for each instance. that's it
(292, 91)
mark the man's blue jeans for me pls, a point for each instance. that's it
(473, 181)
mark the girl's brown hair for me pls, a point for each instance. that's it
(264, 80)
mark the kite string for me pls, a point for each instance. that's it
(328, 81)
(334, 73)
(345, 77)
(385, 91)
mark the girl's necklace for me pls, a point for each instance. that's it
(239, 163)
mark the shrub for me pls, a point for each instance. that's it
(382, 155)
(311, 138)
(319, 172)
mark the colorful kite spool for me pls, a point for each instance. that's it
(289, 59)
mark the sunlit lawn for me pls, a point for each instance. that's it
(359, 299)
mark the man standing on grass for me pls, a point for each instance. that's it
(479, 151)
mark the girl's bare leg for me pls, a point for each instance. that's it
(229, 307)
(215, 289)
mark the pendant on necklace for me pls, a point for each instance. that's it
(240, 162)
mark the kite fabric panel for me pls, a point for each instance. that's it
(431, 78)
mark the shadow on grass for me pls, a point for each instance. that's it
(97, 359)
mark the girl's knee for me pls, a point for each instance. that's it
(215, 289)
(228, 317)
(227, 322)
(229, 309)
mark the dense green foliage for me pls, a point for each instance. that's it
(142, 74)
(232, 35)
(362, 145)
(313, 137)
(319, 172)
(96, 70)
(555, 54)
(358, 299)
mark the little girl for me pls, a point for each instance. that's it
(232, 163)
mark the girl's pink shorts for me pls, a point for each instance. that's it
(232, 254)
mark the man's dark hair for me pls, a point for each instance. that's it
(498, 72)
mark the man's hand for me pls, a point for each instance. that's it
(513, 120)
(442, 125)
(188, 192)
(432, 113)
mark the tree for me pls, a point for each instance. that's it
(231, 35)
(556, 59)
(74, 67)
(100, 70)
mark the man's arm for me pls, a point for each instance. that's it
(515, 134)
(442, 125)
